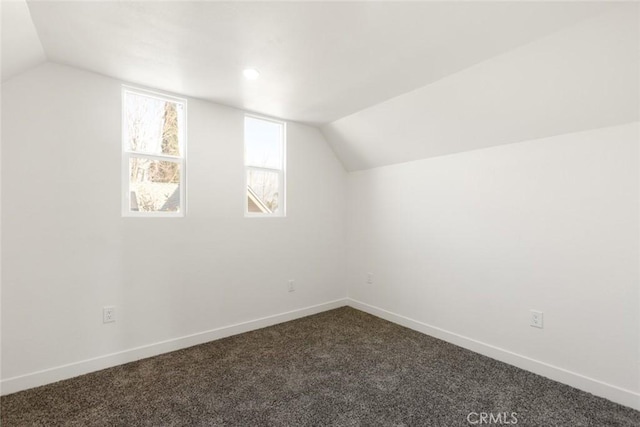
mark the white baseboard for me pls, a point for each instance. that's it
(58, 373)
(608, 391)
(590, 385)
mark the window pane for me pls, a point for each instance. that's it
(263, 143)
(154, 185)
(263, 193)
(153, 125)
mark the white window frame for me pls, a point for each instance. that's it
(282, 182)
(127, 154)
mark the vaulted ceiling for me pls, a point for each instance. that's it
(583, 77)
(386, 81)
(21, 47)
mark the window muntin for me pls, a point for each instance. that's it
(153, 154)
(264, 147)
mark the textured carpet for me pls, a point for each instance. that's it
(341, 367)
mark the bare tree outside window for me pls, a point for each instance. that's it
(265, 186)
(153, 129)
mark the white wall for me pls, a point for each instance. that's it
(463, 246)
(68, 252)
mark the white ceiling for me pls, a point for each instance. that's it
(387, 82)
(319, 61)
(584, 77)
(21, 48)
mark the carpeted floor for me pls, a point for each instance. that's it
(342, 367)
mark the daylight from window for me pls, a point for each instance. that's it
(153, 152)
(264, 163)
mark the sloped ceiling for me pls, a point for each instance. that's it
(319, 61)
(386, 82)
(21, 48)
(584, 77)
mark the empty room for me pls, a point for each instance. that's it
(367, 213)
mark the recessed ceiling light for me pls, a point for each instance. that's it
(251, 73)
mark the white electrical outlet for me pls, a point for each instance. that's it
(536, 319)
(108, 314)
(369, 278)
(292, 286)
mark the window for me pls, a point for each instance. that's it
(153, 159)
(264, 159)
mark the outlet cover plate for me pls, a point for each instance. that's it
(108, 314)
(537, 318)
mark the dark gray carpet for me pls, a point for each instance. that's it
(342, 367)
